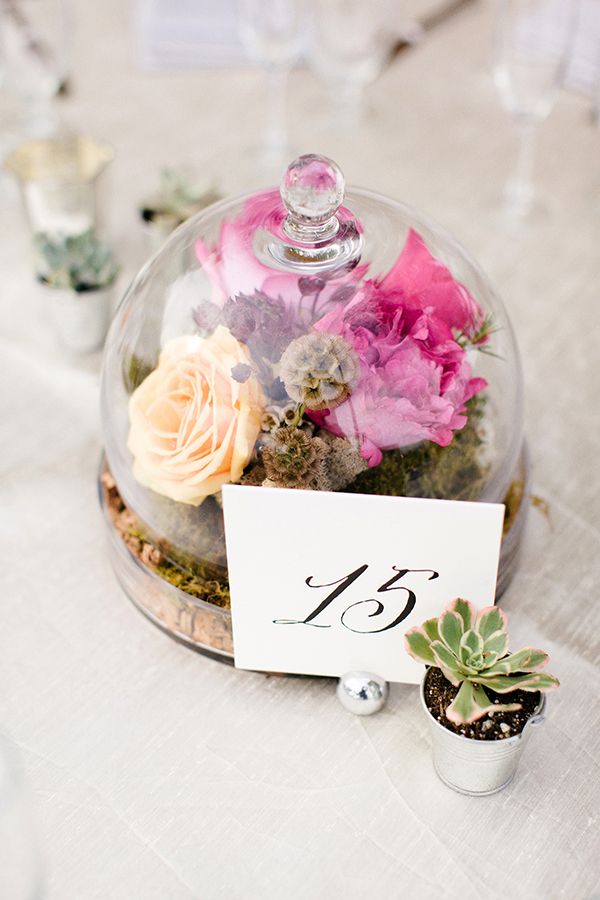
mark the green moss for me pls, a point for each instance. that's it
(431, 471)
(513, 501)
(135, 370)
(191, 530)
(197, 582)
(199, 579)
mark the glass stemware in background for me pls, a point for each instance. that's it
(350, 42)
(35, 38)
(20, 868)
(531, 43)
(271, 33)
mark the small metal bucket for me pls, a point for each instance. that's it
(475, 767)
(80, 320)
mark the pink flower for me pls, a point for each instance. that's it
(425, 282)
(414, 379)
(233, 268)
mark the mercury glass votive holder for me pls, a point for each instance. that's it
(58, 179)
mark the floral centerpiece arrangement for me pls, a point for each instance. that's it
(309, 381)
(345, 380)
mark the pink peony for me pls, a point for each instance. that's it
(414, 377)
(425, 282)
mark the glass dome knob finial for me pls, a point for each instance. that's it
(312, 190)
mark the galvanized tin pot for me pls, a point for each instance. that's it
(475, 767)
(80, 320)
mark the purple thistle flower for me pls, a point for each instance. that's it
(206, 316)
(241, 372)
(310, 284)
(276, 390)
(261, 322)
(240, 317)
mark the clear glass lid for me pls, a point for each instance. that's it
(308, 337)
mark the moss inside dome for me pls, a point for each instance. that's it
(198, 582)
(427, 470)
(135, 371)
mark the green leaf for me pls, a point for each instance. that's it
(430, 627)
(418, 646)
(494, 648)
(447, 662)
(451, 630)
(496, 644)
(465, 610)
(471, 649)
(472, 641)
(463, 708)
(490, 620)
(530, 659)
(472, 703)
(533, 681)
(526, 660)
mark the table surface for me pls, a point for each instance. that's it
(159, 774)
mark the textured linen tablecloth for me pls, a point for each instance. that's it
(162, 775)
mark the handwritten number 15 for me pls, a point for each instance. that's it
(344, 583)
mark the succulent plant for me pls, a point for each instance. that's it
(471, 649)
(75, 262)
(177, 198)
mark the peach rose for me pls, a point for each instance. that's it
(192, 426)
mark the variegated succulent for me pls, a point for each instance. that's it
(78, 262)
(471, 649)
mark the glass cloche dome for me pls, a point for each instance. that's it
(307, 337)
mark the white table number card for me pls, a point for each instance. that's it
(325, 583)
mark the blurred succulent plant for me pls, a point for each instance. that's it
(470, 648)
(177, 199)
(76, 262)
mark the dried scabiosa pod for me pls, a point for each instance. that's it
(319, 370)
(293, 458)
(343, 462)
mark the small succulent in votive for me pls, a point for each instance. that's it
(80, 271)
(471, 650)
(176, 199)
(74, 262)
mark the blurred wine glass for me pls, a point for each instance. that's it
(531, 43)
(35, 40)
(350, 42)
(271, 32)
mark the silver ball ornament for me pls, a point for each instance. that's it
(362, 693)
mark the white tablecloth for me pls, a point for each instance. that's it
(159, 774)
